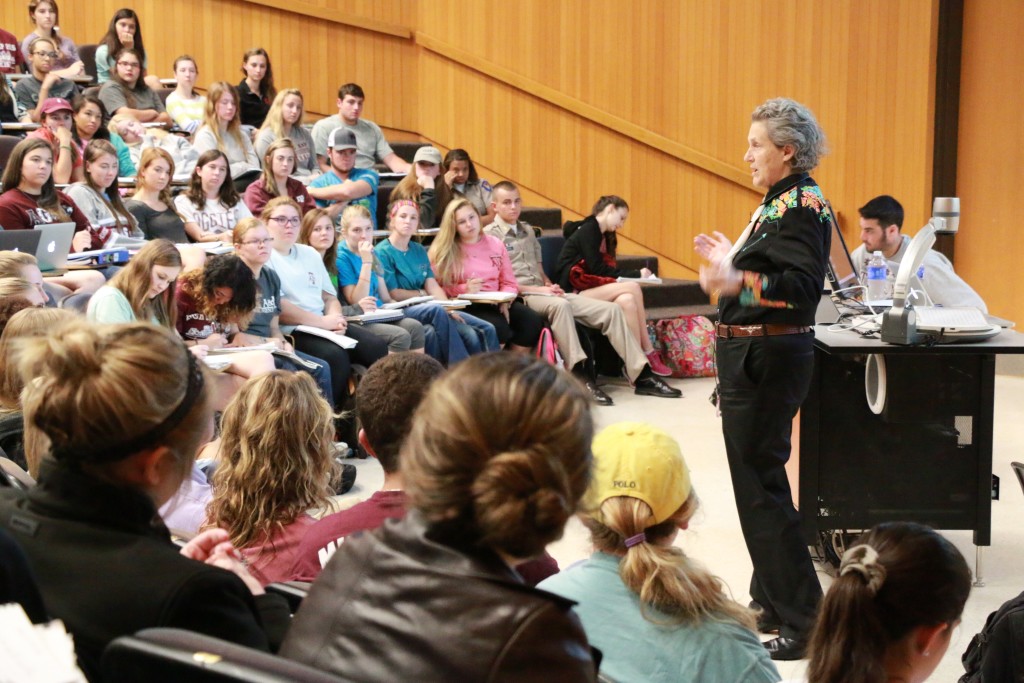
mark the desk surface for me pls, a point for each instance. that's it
(1007, 341)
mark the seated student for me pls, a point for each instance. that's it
(46, 17)
(361, 283)
(211, 207)
(17, 264)
(213, 302)
(124, 31)
(491, 478)
(467, 261)
(185, 106)
(252, 244)
(341, 184)
(881, 220)
(56, 129)
(222, 130)
(587, 266)
(21, 288)
(309, 298)
(152, 205)
(561, 310)
(276, 466)
(11, 111)
(142, 291)
(407, 274)
(284, 120)
(276, 180)
(11, 59)
(317, 230)
(137, 139)
(373, 148)
(128, 93)
(89, 115)
(31, 322)
(890, 613)
(98, 198)
(386, 400)
(43, 82)
(655, 614)
(461, 176)
(996, 653)
(29, 197)
(422, 186)
(117, 444)
(256, 91)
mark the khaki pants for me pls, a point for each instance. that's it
(602, 315)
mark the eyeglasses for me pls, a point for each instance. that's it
(128, 65)
(51, 55)
(257, 243)
(284, 220)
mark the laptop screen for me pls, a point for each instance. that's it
(841, 273)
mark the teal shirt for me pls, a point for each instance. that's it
(409, 269)
(636, 649)
(369, 176)
(349, 265)
(125, 165)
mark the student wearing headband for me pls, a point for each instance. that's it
(118, 412)
(655, 613)
(889, 614)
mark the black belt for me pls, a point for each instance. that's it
(764, 330)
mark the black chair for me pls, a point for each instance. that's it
(550, 248)
(87, 53)
(164, 93)
(292, 591)
(7, 145)
(543, 217)
(383, 199)
(12, 475)
(168, 655)
(407, 150)
(1018, 469)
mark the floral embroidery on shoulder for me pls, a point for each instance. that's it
(777, 207)
(811, 196)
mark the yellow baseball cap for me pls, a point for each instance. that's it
(637, 460)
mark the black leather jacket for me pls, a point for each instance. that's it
(407, 603)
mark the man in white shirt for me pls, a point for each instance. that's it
(371, 145)
(880, 222)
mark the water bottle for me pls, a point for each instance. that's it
(877, 277)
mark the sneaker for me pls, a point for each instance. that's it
(348, 479)
(658, 366)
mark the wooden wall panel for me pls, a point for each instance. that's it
(989, 247)
(539, 87)
(313, 54)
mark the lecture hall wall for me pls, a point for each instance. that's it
(649, 100)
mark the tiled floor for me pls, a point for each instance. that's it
(714, 536)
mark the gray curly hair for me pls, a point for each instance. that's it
(791, 123)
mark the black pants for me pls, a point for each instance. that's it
(762, 383)
(522, 328)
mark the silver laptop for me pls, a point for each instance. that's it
(54, 245)
(25, 241)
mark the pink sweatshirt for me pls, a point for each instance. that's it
(486, 259)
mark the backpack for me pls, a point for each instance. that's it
(996, 654)
(547, 349)
(686, 344)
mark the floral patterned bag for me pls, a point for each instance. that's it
(686, 343)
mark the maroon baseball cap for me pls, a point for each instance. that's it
(53, 104)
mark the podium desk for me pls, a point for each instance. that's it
(926, 458)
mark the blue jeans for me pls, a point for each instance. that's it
(479, 336)
(321, 375)
(448, 344)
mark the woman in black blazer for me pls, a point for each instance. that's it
(117, 412)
